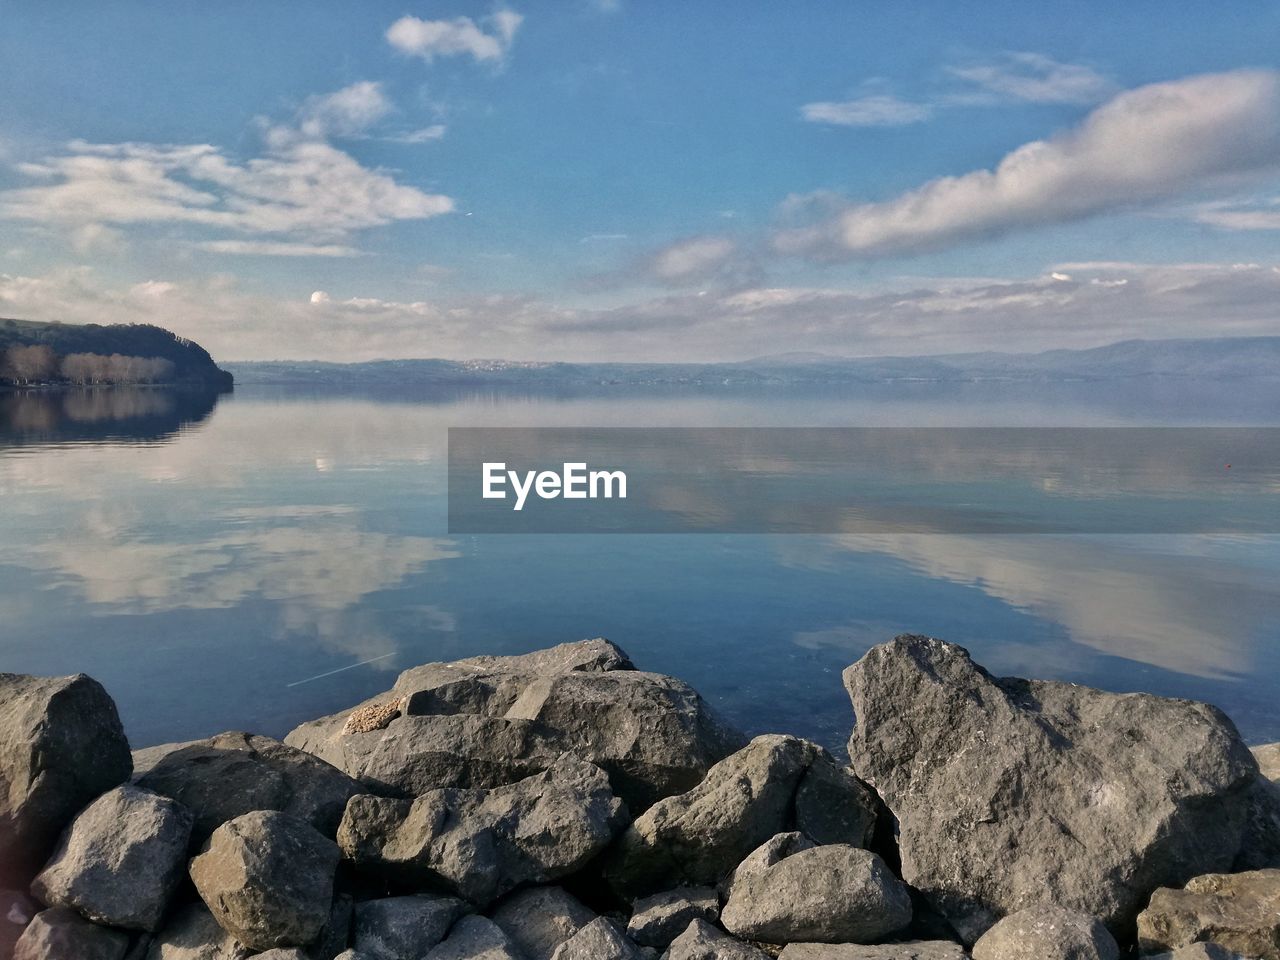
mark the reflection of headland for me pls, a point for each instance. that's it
(101, 414)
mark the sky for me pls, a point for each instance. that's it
(617, 180)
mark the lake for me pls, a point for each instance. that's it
(280, 554)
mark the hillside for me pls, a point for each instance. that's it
(98, 354)
(1208, 359)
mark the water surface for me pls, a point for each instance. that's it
(281, 554)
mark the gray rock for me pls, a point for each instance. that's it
(337, 930)
(698, 837)
(61, 745)
(1261, 847)
(144, 760)
(789, 891)
(1268, 757)
(354, 955)
(490, 721)
(193, 934)
(1047, 932)
(1010, 792)
(403, 928)
(1238, 911)
(476, 938)
(540, 919)
(482, 844)
(759, 860)
(702, 941)
(120, 860)
(232, 774)
(598, 940)
(16, 911)
(62, 934)
(659, 919)
(268, 879)
(1199, 951)
(283, 953)
(913, 950)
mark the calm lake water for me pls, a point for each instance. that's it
(281, 554)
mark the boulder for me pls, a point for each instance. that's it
(1047, 932)
(268, 879)
(62, 934)
(232, 774)
(598, 940)
(914, 950)
(336, 932)
(61, 745)
(1198, 951)
(193, 934)
(789, 890)
(768, 787)
(1268, 757)
(283, 953)
(403, 928)
(120, 860)
(1238, 911)
(16, 911)
(475, 938)
(702, 941)
(1011, 792)
(540, 919)
(490, 721)
(659, 919)
(482, 844)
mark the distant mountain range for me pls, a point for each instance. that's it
(1223, 358)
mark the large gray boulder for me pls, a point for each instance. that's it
(482, 844)
(1261, 847)
(914, 950)
(539, 919)
(789, 890)
(1199, 951)
(1239, 911)
(598, 940)
(62, 934)
(61, 745)
(403, 928)
(193, 934)
(476, 938)
(232, 774)
(490, 721)
(268, 879)
(702, 941)
(1011, 792)
(120, 860)
(659, 919)
(1047, 932)
(773, 785)
(16, 911)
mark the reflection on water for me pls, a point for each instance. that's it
(235, 573)
(99, 413)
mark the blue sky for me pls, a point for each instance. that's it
(617, 180)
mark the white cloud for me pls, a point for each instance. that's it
(692, 259)
(1256, 215)
(1145, 145)
(429, 39)
(1098, 303)
(345, 113)
(424, 135)
(1033, 78)
(262, 248)
(305, 188)
(878, 110)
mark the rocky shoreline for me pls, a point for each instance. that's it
(563, 805)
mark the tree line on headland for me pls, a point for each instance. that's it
(51, 354)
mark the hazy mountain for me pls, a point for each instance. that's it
(1218, 359)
